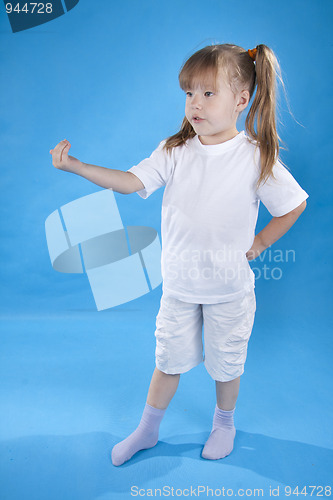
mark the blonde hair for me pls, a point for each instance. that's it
(242, 73)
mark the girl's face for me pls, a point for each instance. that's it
(213, 112)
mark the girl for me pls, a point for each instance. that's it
(214, 178)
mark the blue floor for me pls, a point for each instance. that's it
(75, 384)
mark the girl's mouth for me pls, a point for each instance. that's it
(197, 119)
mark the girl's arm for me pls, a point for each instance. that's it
(276, 228)
(122, 182)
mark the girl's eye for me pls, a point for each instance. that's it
(189, 94)
(208, 94)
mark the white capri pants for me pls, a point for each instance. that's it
(227, 329)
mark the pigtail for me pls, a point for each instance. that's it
(260, 122)
(186, 132)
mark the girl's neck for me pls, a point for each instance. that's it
(210, 140)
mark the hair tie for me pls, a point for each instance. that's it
(252, 53)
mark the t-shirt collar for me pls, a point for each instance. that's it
(216, 149)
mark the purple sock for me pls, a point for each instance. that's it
(145, 436)
(221, 440)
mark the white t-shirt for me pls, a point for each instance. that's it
(209, 213)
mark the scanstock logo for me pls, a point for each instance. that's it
(25, 15)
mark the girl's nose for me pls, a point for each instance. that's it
(196, 101)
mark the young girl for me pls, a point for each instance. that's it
(214, 178)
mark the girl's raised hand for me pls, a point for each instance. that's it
(61, 159)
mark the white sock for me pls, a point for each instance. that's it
(145, 436)
(221, 440)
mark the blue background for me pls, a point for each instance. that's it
(74, 381)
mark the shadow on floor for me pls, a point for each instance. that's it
(79, 467)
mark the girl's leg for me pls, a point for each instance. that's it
(221, 440)
(228, 328)
(227, 394)
(161, 391)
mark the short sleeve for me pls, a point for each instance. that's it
(154, 171)
(282, 194)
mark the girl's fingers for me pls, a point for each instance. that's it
(60, 147)
(65, 144)
(60, 152)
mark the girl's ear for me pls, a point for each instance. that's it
(243, 100)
